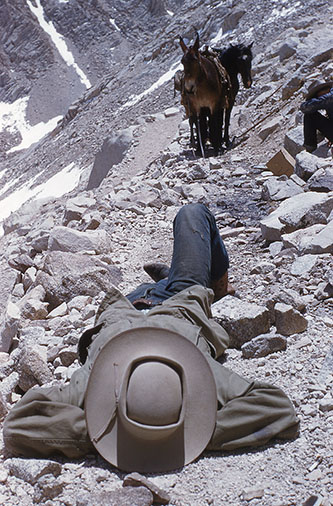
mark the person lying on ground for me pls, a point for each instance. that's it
(320, 97)
(151, 395)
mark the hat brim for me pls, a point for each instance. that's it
(111, 437)
(312, 93)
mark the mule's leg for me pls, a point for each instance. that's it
(203, 125)
(226, 126)
(191, 121)
(215, 126)
(200, 148)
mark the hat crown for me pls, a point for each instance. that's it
(154, 394)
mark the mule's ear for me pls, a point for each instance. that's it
(182, 44)
(196, 44)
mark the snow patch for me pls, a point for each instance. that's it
(58, 41)
(170, 13)
(163, 79)
(13, 119)
(217, 37)
(61, 183)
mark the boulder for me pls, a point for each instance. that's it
(242, 320)
(297, 212)
(288, 320)
(137, 480)
(68, 239)
(113, 151)
(307, 164)
(293, 85)
(303, 265)
(32, 369)
(67, 275)
(133, 496)
(33, 309)
(263, 345)
(288, 48)
(280, 188)
(31, 470)
(322, 180)
(10, 326)
(314, 240)
(268, 128)
(293, 140)
(287, 296)
(281, 163)
(21, 220)
(8, 280)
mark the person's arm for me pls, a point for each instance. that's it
(44, 422)
(315, 104)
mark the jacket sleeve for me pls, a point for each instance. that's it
(44, 422)
(315, 104)
(250, 413)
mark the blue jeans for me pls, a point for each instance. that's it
(199, 256)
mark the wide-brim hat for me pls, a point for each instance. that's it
(316, 87)
(151, 401)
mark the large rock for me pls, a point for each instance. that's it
(321, 181)
(281, 163)
(76, 207)
(133, 496)
(67, 275)
(113, 151)
(31, 470)
(288, 321)
(137, 480)
(10, 326)
(297, 212)
(280, 188)
(263, 345)
(21, 220)
(293, 141)
(317, 239)
(8, 278)
(242, 320)
(68, 239)
(33, 369)
(307, 164)
(268, 128)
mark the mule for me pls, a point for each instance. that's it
(236, 60)
(204, 94)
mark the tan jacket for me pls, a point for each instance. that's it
(249, 413)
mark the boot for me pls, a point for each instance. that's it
(222, 287)
(157, 271)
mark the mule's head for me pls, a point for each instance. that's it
(191, 56)
(245, 63)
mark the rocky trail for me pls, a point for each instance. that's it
(61, 254)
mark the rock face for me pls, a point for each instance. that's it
(241, 320)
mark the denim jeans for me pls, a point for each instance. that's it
(199, 256)
(313, 122)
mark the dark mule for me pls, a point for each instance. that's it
(204, 94)
(236, 60)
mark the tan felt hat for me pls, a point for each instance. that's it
(151, 401)
(316, 87)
